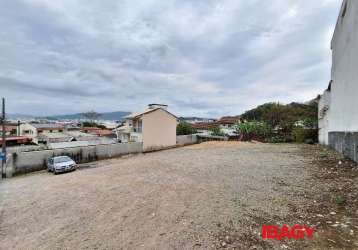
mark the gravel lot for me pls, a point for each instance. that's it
(206, 196)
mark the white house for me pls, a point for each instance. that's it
(155, 127)
(36, 131)
(338, 112)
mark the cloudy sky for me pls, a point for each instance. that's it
(201, 57)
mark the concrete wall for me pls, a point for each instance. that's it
(183, 140)
(338, 121)
(32, 131)
(344, 89)
(323, 117)
(345, 143)
(159, 130)
(25, 162)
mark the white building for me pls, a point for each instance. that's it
(338, 106)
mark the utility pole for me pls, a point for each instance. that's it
(3, 174)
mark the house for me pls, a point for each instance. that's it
(338, 113)
(37, 131)
(99, 132)
(155, 127)
(226, 125)
(205, 127)
(50, 133)
(229, 122)
(10, 130)
(16, 140)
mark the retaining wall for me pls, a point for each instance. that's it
(345, 143)
(183, 140)
(25, 162)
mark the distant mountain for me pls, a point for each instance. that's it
(19, 116)
(195, 119)
(112, 116)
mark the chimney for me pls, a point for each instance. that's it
(156, 105)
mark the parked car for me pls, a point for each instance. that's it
(60, 164)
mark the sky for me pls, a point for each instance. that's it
(205, 58)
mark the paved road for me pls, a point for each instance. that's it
(207, 196)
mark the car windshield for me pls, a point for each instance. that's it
(62, 159)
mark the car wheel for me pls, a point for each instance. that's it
(54, 172)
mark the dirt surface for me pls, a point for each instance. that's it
(208, 196)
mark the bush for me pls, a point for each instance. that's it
(302, 135)
(253, 130)
(93, 125)
(185, 128)
(216, 131)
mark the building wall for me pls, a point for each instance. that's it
(323, 117)
(33, 131)
(159, 130)
(344, 90)
(338, 112)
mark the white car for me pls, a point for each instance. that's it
(60, 164)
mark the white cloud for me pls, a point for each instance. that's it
(200, 57)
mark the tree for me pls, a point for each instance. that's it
(93, 125)
(91, 116)
(253, 130)
(283, 118)
(184, 128)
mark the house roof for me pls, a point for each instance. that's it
(78, 134)
(91, 128)
(17, 138)
(47, 126)
(55, 136)
(103, 132)
(229, 119)
(205, 125)
(8, 128)
(147, 111)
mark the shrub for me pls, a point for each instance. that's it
(184, 128)
(216, 131)
(302, 135)
(253, 130)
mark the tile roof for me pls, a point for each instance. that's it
(205, 125)
(138, 114)
(47, 126)
(229, 119)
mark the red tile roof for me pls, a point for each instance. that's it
(205, 125)
(229, 120)
(18, 139)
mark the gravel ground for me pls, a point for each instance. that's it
(207, 196)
